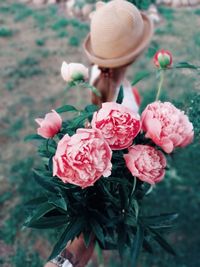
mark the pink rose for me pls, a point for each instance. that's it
(163, 59)
(50, 125)
(167, 126)
(146, 163)
(74, 72)
(82, 158)
(118, 124)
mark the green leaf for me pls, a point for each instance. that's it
(35, 202)
(31, 137)
(120, 96)
(44, 181)
(121, 242)
(47, 222)
(91, 108)
(98, 231)
(137, 245)
(136, 207)
(87, 238)
(41, 211)
(162, 242)
(165, 218)
(73, 229)
(130, 220)
(79, 121)
(66, 108)
(185, 65)
(58, 201)
(140, 76)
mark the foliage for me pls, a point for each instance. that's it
(111, 210)
(5, 32)
(142, 4)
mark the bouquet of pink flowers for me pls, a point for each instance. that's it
(100, 165)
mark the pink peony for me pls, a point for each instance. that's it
(73, 72)
(50, 125)
(167, 126)
(82, 158)
(146, 163)
(118, 124)
(162, 59)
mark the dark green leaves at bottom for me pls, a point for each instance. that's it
(98, 231)
(137, 245)
(73, 229)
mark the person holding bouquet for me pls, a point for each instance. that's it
(119, 33)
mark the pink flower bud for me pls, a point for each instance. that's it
(74, 72)
(162, 59)
(50, 125)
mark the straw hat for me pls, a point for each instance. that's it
(119, 32)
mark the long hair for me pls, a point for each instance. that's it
(107, 83)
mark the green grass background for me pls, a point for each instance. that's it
(33, 44)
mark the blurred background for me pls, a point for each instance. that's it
(35, 37)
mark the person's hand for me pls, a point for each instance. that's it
(77, 253)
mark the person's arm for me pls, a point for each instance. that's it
(77, 253)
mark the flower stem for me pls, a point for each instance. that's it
(160, 84)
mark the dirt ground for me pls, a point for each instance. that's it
(33, 44)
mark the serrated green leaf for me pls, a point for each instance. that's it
(137, 245)
(31, 137)
(120, 96)
(66, 108)
(73, 229)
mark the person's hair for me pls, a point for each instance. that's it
(107, 83)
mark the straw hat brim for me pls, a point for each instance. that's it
(130, 56)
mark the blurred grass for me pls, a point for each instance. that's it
(30, 60)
